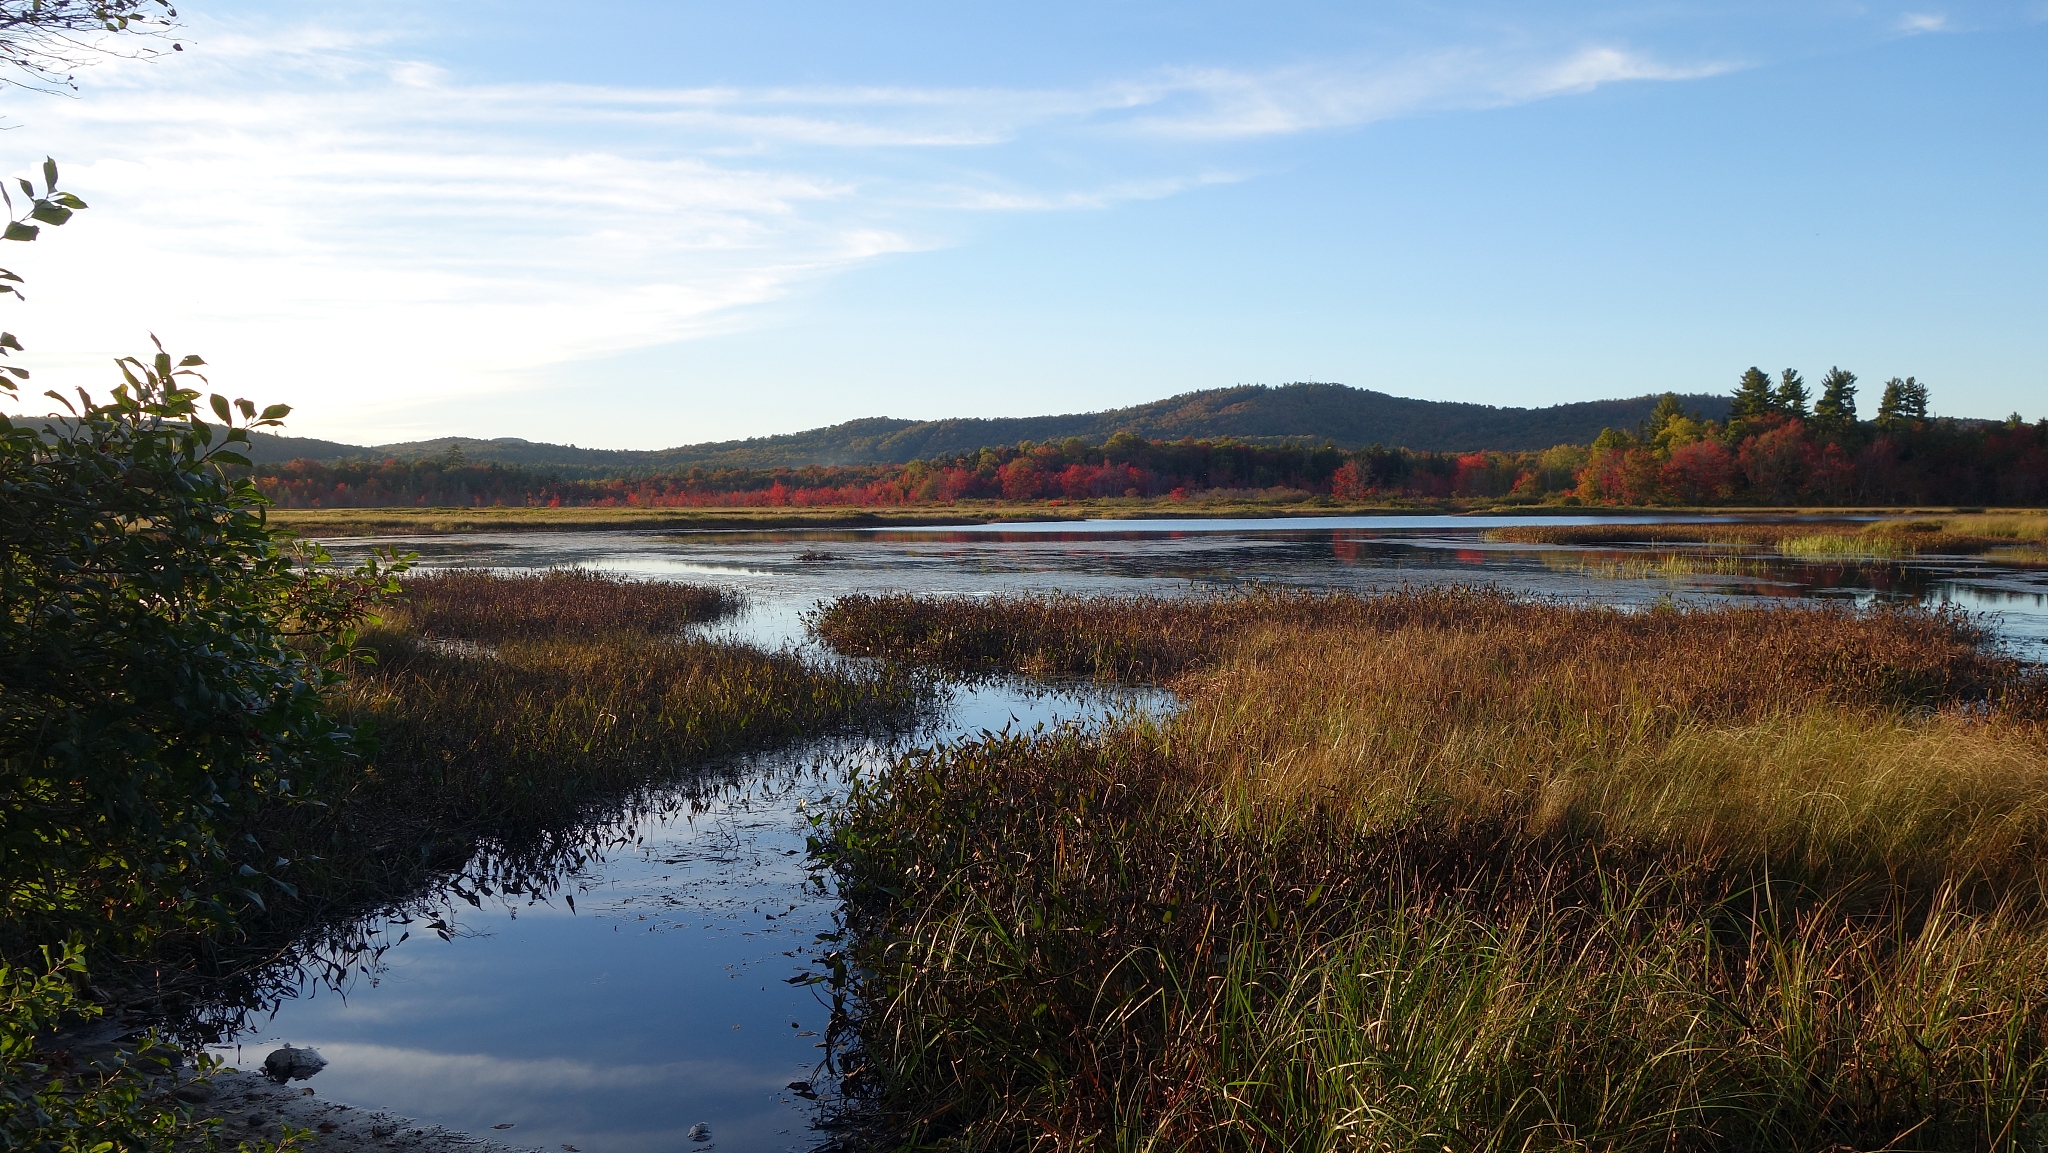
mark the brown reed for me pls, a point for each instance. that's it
(1447, 869)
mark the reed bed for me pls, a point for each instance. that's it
(486, 607)
(1887, 539)
(1448, 869)
(517, 698)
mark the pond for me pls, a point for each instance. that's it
(654, 992)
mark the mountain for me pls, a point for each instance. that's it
(1350, 417)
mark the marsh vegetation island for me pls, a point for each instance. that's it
(1259, 770)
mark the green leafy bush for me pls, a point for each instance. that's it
(164, 659)
(50, 1104)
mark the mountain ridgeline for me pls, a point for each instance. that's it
(1351, 418)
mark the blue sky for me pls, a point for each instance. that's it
(645, 224)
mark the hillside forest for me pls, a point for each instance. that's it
(1781, 444)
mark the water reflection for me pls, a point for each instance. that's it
(659, 999)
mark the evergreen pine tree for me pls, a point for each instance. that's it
(1668, 409)
(1790, 399)
(1890, 407)
(1914, 400)
(1835, 411)
(1753, 396)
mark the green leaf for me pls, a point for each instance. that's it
(68, 200)
(277, 412)
(50, 174)
(16, 230)
(236, 458)
(220, 409)
(190, 361)
(27, 189)
(50, 213)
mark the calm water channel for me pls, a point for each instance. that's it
(661, 998)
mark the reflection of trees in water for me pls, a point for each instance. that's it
(344, 945)
(348, 944)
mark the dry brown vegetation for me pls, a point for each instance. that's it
(563, 604)
(518, 697)
(1967, 535)
(1451, 869)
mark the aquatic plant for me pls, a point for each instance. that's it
(487, 607)
(1885, 538)
(1452, 869)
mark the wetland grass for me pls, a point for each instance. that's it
(2017, 537)
(507, 716)
(1448, 869)
(517, 699)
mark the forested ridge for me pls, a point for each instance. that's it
(1773, 445)
(1348, 417)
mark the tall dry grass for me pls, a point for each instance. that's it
(2014, 538)
(1446, 869)
(517, 698)
(486, 607)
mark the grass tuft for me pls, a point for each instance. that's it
(1449, 869)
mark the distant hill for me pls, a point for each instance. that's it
(1350, 417)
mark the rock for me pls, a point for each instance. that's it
(292, 1064)
(700, 1132)
(195, 1093)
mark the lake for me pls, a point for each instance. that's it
(662, 997)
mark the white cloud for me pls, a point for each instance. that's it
(1916, 22)
(351, 231)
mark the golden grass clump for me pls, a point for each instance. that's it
(1968, 535)
(486, 607)
(1450, 869)
(585, 690)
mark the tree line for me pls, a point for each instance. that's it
(1780, 445)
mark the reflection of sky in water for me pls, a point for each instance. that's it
(662, 1000)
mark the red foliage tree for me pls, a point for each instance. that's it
(1776, 461)
(1702, 472)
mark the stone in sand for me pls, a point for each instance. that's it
(293, 1064)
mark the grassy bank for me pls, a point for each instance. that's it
(332, 523)
(1452, 870)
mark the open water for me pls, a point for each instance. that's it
(653, 991)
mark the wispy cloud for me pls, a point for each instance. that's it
(322, 216)
(1916, 22)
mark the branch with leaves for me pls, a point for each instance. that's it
(53, 208)
(43, 41)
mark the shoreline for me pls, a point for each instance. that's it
(340, 523)
(252, 1105)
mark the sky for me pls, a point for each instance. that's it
(643, 223)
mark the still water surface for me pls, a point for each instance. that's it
(661, 999)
